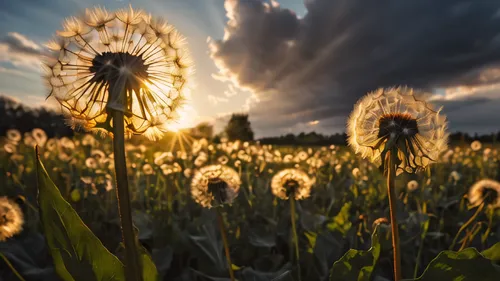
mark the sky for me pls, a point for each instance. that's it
(296, 65)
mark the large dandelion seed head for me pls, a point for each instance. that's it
(291, 182)
(124, 60)
(11, 219)
(487, 191)
(215, 185)
(395, 118)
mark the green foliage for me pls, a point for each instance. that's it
(341, 221)
(492, 253)
(465, 265)
(358, 265)
(77, 252)
(183, 238)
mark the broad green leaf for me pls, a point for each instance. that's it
(357, 265)
(341, 221)
(149, 271)
(465, 265)
(492, 253)
(77, 253)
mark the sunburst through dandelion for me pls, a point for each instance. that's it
(11, 219)
(291, 182)
(126, 61)
(394, 118)
(215, 185)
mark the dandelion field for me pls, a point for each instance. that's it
(118, 201)
(346, 203)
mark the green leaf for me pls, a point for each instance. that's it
(492, 253)
(465, 265)
(357, 265)
(149, 271)
(341, 221)
(77, 252)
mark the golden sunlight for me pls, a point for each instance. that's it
(187, 117)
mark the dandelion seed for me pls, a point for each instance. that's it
(10, 148)
(476, 145)
(118, 61)
(223, 160)
(412, 185)
(147, 169)
(187, 173)
(13, 135)
(215, 185)
(487, 191)
(11, 219)
(291, 182)
(455, 176)
(356, 173)
(40, 136)
(91, 163)
(395, 119)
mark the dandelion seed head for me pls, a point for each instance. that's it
(215, 185)
(412, 185)
(11, 219)
(476, 145)
(291, 182)
(395, 118)
(119, 61)
(147, 169)
(14, 135)
(487, 191)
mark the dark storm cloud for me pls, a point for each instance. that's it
(316, 67)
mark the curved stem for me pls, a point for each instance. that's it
(18, 275)
(391, 193)
(465, 225)
(133, 270)
(222, 228)
(295, 238)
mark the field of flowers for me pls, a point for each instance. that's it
(449, 206)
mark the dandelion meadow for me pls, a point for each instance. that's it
(319, 140)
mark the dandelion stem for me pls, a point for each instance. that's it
(132, 264)
(222, 228)
(465, 225)
(18, 275)
(391, 192)
(295, 238)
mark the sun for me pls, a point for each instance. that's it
(187, 117)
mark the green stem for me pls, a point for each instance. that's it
(391, 192)
(18, 275)
(421, 246)
(133, 270)
(295, 238)
(222, 228)
(465, 225)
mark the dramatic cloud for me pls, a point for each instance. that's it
(20, 51)
(316, 67)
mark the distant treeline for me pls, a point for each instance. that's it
(313, 138)
(14, 115)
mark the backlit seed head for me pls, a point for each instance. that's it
(487, 191)
(125, 61)
(395, 119)
(11, 219)
(291, 182)
(215, 185)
